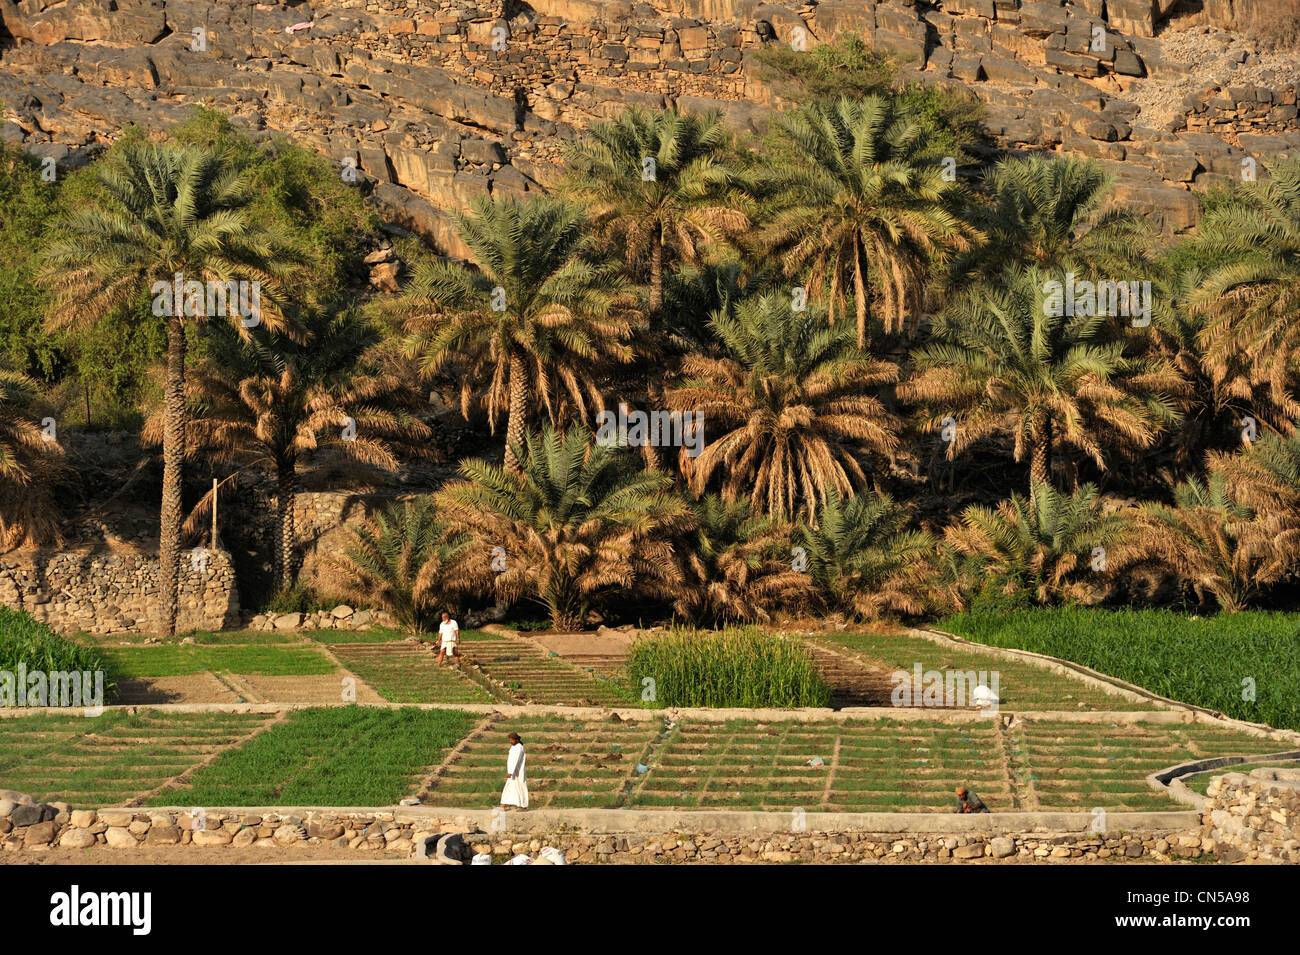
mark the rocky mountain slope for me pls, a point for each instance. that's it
(436, 101)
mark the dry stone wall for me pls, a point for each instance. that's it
(25, 825)
(416, 94)
(106, 593)
(1255, 818)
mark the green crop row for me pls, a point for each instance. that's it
(1246, 665)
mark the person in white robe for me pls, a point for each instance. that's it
(515, 792)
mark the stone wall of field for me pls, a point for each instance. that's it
(106, 593)
(437, 101)
(1255, 817)
(25, 825)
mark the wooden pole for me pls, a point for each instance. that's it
(214, 513)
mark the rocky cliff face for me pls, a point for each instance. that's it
(435, 102)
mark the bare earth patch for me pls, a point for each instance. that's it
(196, 688)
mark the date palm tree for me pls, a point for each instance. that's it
(578, 524)
(269, 400)
(1253, 297)
(1003, 362)
(531, 321)
(864, 560)
(665, 185)
(166, 211)
(408, 561)
(1058, 546)
(1219, 546)
(787, 412)
(860, 201)
(738, 566)
(1265, 475)
(31, 461)
(1052, 213)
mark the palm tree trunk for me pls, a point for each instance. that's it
(169, 532)
(1040, 464)
(860, 294)
(286, 474)
(656, 271)
(518, 408)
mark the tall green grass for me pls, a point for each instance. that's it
(30, 642)
(733, 667)
(1206, 661)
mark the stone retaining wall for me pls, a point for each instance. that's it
(1255, 818)
(105, 593)
(33, 827)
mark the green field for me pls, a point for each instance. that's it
(407, 673)
(176, 660)
(112, 758)
(1021, 686)
(1213, 661)
(363, 756)
(493, 668)
(352, 756)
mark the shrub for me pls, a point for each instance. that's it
(732, 667)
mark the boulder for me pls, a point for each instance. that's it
(77, 838)
(118, 837)
(41, 834)
(210, 837)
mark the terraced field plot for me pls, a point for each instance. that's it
(1021, 686)
(409, 673)
(345, 756)
(113, 758)
(178, 660)
(206, 637)
(533, 674)
(493, 667)
(572, 764)
(1061, 765)
(366, 756)
(859, 766)
(865, 766)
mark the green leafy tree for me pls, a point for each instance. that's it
(1004, 362)
(864, 560)
(1056, 546)
(31, 462)
(270, 400)
(578, 525)
(1221, 548)
(1053, 214)
(1251, 299)
(662, 184)
(788, 411)
(408, 561)
(532, 320)
(861, 200)
(166, 211)
(737, 566)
